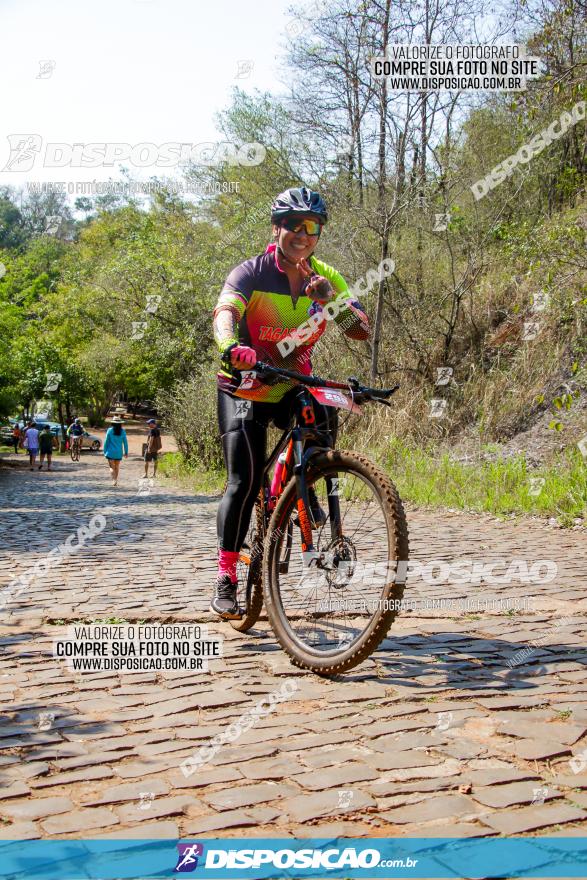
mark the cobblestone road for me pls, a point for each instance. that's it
(436, 735)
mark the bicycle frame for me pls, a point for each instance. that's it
(298, 454)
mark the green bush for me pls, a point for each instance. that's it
(189, 412)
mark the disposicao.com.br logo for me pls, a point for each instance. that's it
(25, 149)
(331, 859)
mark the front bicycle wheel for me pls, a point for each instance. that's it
(330, 612)
(249, 571)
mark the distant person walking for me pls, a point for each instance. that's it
(114, 444)
(46, 446)
(16, 438)
(154, 445)
(31, 443)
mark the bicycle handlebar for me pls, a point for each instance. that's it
(360, 393)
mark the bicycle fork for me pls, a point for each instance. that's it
(309, 555)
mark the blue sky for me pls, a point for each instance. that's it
(129, 71)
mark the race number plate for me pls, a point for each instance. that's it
(335, 397)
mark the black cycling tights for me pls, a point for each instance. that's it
(243, 444)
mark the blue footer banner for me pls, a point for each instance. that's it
(290, 857)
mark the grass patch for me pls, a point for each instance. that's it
(499, 487)
(190, 475)
(424, 477)
(564, 714)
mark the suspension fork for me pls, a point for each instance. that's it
(306, 419)
(332, 487)
(303, 502)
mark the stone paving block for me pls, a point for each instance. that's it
(59, 750)
(246, 753)
(578, 798)
(319, 758)
(570, 781)
(460, 830)
(313, 740)
(17, 789)
(497, 775)
(404, 741)
(20, 831)
(37, 808)
(144, 808)
(449, 806)
(426, 785)
(6, 760)
(129, 791)
(512, 822)
(95, 731)
(166, 747)
(384, 729)
(562, 732)
(207, 775)
(92, 760)
(334, 830)
(218, 822)
(264, 815)
(250, 795)
(29, 771)
(507, 795)
(89, 773)
(538, 750)
(448, 767)
(401, 760)
(144, 831)
(336, 777)
(463, 749)
(135, 769)
(79, 821)
(565, 831)
(166, 722)
(306, 807)
(198, 701)
(276, 768)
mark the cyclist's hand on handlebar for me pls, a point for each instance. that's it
(318, 288)
(243, 357)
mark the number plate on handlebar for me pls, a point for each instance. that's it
(334, 397)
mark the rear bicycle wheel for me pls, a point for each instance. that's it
(331, 613)
(249, 571)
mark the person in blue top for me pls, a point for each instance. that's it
(114, 444)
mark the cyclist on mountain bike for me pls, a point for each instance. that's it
(264, 301)
(75, 432)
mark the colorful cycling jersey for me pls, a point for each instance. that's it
(258, 292)
(75, 430)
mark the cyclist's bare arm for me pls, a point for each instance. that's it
(225, 327)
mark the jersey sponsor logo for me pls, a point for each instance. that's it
(273, 334)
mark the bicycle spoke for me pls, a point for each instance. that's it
(328, 606)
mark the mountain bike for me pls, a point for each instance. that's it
(75, 447)
(328, 554)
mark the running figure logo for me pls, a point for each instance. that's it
(188, 857)
(23, 151)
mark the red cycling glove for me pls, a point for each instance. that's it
(243, 357)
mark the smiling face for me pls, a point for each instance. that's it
(295, 245)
